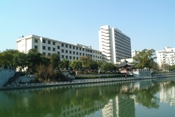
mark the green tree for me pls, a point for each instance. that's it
(55, 59)
(64, 64)
(12, 51)
(75, 64)
(94, 65)
(172, 67)
(20, 59)
(154, 65)
(144, 58)
(86, 61)
(34, 58)
(108, 67)
(6, 58)
(101, 63)
(45, 60)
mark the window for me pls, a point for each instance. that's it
(77, 53)
(58, 52)
(73, 57)
(66, 45)
(83, 49)
(70, 57)
(73, 52)
(66, 51)
(53, 49)
(48, 54)
(80, 53)
(44, 53)
(70, 52)
(62, 45)
(44, 41)
(62, 56)
(36, 41)
(77, 48)
(36, 47)
(77, 58)
(53, 43)
(73, 47)
(69, 46)
(48, 42)
(80, 48)
(83, 54)
(58, 47)
(66, 57)
(44, 47)
(62, 51)
(48, 48)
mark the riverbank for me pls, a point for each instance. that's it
(77, 81)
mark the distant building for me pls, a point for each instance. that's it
(114, 44)
(135, 52)
(48, 46)
(166, 56)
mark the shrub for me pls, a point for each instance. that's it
(25, 73)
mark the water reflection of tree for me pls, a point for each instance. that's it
(51, 101)
(87, 96)
(147, 98)
(38, 103)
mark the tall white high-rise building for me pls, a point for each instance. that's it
(114, 44)
(166, 56)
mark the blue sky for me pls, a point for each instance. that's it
(149, 23)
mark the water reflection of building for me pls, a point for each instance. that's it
(72, 111)
(167, 95)
(120, 106)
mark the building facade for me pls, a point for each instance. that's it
(48, 46)
(135, 52)
(114, 44)
(166, 56)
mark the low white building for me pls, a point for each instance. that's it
(166, 56)
(48, 46)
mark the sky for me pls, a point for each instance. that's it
(149, 23)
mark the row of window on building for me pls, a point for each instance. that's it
(99, 57)
(67, 46)
(66, 51)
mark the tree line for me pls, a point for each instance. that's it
(33, 59)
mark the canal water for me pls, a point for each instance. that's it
(141, 98)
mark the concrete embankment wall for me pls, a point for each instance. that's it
(5, 74)
(138, 74)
